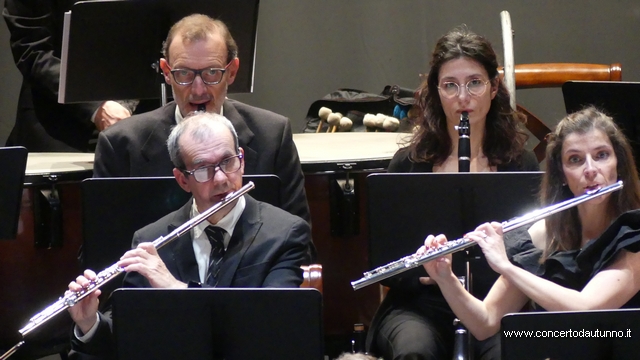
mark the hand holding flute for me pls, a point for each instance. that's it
(84, 312)
(440, 268)
(488, 236)
(144, 259)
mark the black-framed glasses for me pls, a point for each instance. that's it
(209, 76)
(475, 87)
(227, 165)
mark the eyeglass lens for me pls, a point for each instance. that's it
(475, 87)
(228, 165)
(210, 76)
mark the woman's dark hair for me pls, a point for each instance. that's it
(564, 230)
(504, 136)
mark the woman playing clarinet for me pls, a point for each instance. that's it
(414, 321)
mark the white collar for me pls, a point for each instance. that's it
(228, 222)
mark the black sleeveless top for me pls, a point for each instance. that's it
(574, 268)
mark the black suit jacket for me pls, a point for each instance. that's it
(36, 41)
(137, 147)
(267, 248)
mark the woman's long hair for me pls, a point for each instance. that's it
(504, 136)
(564, 229)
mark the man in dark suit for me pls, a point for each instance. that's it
(263, 246)
(200, 62)
(42, 124)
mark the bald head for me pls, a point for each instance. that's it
(200, 127)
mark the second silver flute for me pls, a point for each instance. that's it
(414, 260)
(111, 272)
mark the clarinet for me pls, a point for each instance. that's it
(464, 164)
(72, 298)
(411, 261)
(464, 143)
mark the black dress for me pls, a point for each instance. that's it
(573, 269)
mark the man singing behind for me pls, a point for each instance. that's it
(200, 62)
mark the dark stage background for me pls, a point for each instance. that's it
(306, 49)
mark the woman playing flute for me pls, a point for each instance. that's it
(584, 258)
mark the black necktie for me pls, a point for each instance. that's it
(216, 238)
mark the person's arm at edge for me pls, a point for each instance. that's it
(34, 54)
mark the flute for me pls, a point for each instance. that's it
(112, 271)
(411, 261)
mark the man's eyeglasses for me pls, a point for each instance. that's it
(209, 76)
(206, 173)
(475, 87)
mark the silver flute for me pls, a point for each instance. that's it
(72, 298)
(415, 260)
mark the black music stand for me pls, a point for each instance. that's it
(234, 324)
(405, 208)
(13, 162)
(115, 43)
(600, 334)
(619, 99)
(115, 208)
